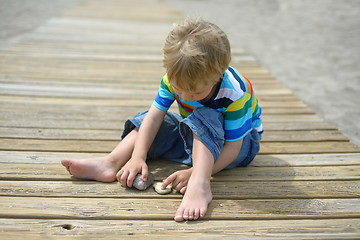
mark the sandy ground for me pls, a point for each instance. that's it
(312, 46)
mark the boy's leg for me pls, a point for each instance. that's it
(103, 169)
(198, 192)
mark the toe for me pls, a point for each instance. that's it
(67, 164)
(196, 214)
(186, 214)
(179, 215)
(202, 212)
(191, 214)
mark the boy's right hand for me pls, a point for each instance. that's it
(178, 180)
(127, 173)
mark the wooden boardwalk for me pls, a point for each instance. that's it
(65, 92)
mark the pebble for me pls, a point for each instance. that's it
(157, 187)
(139, 184)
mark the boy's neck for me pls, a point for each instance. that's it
(210, 94)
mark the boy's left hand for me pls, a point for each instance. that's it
(178, 180)
(128, 172)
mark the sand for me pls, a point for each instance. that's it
(312, 46)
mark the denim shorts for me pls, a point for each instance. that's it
(174, 139)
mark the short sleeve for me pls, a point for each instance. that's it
(165, 96)
(238, 118)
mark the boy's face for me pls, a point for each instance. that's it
(202, 92)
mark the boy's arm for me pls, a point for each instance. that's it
(144, 139)
(229, 152)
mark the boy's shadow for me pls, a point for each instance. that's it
(270, 187)
(267, 188)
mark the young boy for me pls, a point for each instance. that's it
(219, 126)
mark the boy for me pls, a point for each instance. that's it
(219, 126)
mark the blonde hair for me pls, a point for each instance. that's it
(194, 51)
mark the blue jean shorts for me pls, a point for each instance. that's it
(175, 137)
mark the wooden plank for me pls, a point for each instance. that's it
(164, 209)
(114, 91)
(134, 229)
(271, 122)
(80, 26)
(296, 126)
(114, 134)
(272, 160)
(84, 65)
(305, 135)
(98, 146)
(50, 133)
(96, 71)
(96, 120)
(41, 101)
(220, 190)
(162, 169)
(57, 145)
(28, 82)
(145, 104)
(112, 112)
(145, 12)
(307, 147)
(40, 46)
(76, 123)
(109, 114)
(343, 159)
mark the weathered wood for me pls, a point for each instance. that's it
(98, 146)
(114, 134)
(272, 160)
(220, 190)
(98, 121)
(135, 229)
(148, 12)
(57, 145)
(162, 169)
(66, 92)
(55, 88)
(164, 209)
(302, 136)
(308, 147)
(46, 133)
(89, 101)
(343, 159)
(106, 113)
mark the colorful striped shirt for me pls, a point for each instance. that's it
(234, 97)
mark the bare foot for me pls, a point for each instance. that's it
(195, 202)
(99, 169)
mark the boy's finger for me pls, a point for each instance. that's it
(168, 180)
(130, 179)
(123, 178)
(183, 190)
(144, 172)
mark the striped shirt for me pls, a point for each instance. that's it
(234, 97)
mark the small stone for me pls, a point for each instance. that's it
(139, 184)
(157, 187)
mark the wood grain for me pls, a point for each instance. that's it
(66, 92)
